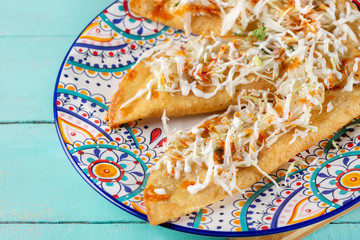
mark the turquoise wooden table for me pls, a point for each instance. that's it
(41, 195)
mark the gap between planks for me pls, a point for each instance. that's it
(116, 222)
(302, 232)
(37, 36)
(26, 122)
(68, 222)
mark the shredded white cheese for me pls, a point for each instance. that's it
(292, 165)
(160, 191)
(298, 48)
(330, 107)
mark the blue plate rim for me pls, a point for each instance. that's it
(170, 225)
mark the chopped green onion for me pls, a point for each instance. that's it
(291, 48)
(259, 33)
(257, 61)
(264, 51)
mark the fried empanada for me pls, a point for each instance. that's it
(203, 20)
(175, 104)
(178, 201)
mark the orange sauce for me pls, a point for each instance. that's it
(131, 75)
(331, 81)
(219, 152)
(262, 137)
(278, 109)
(295, 64)
(154, 94)
(331, 97)
(152, 196)
(281, 53)
(209, 10)
(305, 101)
(187, 183)
(248, 132)
(160, 12)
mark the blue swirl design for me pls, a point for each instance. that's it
(108, 70)
(244, 209)
(313, 186)
(66, 91)
(130, 36)
(143, 165)
(105, 48)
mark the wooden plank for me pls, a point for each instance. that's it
(316, 227)
(350, 217)
(302, 232)
(42, 17)
(93, 231)
(27, 83)
(140, 231)
(336, 232)
(39, 184)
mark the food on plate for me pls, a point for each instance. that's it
(286, 71)
(205, 164)
(206, 73)
(202, 75)
(200, 17)
(240, 17)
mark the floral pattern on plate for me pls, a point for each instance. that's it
(115, 162)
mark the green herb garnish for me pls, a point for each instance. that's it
(259, 33)
(291, 47)
(219, 150)
(264, 51)
(257, 61)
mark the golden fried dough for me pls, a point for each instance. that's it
(174, 104)
(181, 202)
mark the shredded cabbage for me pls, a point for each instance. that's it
(300, 53)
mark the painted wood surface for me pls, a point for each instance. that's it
(139, 231)
(48, 18)
(41, 195)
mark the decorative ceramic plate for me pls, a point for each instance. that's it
(115, 161)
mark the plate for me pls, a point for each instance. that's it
(114, 162)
